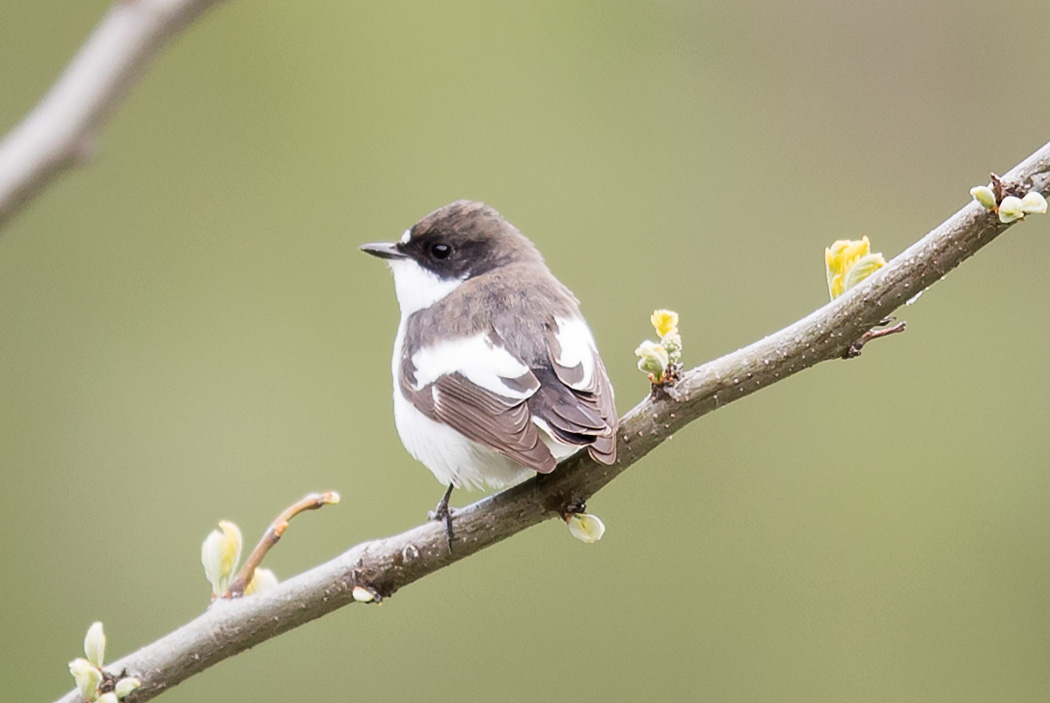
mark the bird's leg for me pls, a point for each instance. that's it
(443, 512)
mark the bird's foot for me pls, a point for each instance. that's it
(443, 512)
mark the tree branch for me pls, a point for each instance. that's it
(61, 130)
(386, 565)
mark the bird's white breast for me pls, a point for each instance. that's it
(450, 456)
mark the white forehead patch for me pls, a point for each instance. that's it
(418, 288)
(406, 236)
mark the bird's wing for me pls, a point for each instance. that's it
(575, 399)
(478, 388)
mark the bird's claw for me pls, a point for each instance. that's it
(443, 512)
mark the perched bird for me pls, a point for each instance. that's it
(496, 374)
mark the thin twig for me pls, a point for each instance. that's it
(880, 330)
(272, 536)
(384, 566)
(62, 130)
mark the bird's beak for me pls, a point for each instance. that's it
(384, 250)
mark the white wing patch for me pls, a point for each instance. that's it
(418, 288)
(577, 347)
(558, 449)
(477, 358)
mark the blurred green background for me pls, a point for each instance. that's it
(187, 333)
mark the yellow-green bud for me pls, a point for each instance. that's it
(1010, 209)
(984, 195)
(95, 644)
(586, 527)
(87, 677)
(1034, 203)
(664, 322)
(848, 262)
(126, 686)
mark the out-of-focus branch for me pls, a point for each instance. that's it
(384, 566)
(62, 129)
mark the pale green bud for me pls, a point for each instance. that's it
(95, 644)
(1010, 209)
(87, 677)
(652, 359)
(110, 697)
(126, 686)
(586, 527)
(862, 268)
(262, 580)
(984, 195)
(672, 342)
(363, 595)
(1034, 203)
(219, 554)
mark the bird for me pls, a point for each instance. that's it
(496, 373)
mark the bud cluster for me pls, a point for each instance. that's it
(220, 554)
(94, 684)
(1010, 208)
(661, 361)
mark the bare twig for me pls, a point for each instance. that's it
(384, 566)
(272, 536)
(880, 330)
(62, 129)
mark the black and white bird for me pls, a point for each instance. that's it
(496, 374)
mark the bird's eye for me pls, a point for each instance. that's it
(440, 250)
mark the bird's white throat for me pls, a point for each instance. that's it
(418, 288)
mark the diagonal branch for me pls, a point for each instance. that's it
(384, 566)
(61, 130)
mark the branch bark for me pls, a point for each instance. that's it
(385, 566)
(61, 130)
